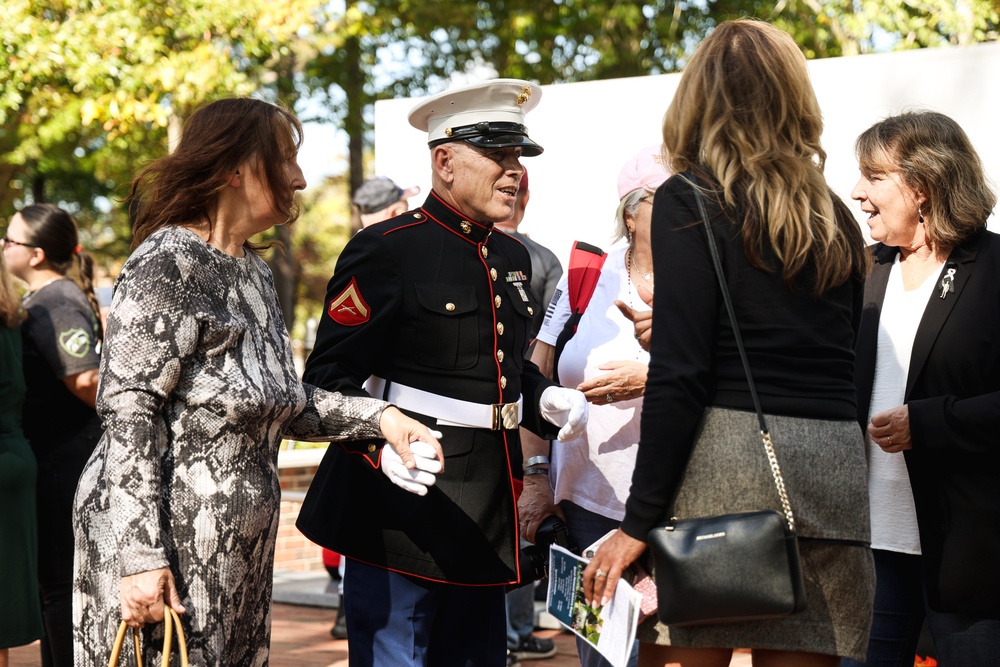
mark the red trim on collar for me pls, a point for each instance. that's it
(445, 226)
(457, 212)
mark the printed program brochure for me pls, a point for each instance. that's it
(611, 628)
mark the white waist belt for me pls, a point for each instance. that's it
(448, 411)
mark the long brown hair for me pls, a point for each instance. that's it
(935, 157)
(11, 312)
(745, 116)
(183, 187)
(54, 231)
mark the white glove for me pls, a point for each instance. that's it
(420, 477)
(566, 408)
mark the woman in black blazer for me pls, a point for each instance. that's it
(928, 381)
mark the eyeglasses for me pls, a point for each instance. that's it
(6, 241)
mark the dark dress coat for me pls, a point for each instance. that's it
(440, 303)
(953, 395)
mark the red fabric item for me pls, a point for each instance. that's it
(331, 558)
(585, 262)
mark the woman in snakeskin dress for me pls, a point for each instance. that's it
(179, 503)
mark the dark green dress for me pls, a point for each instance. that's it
(20, 610)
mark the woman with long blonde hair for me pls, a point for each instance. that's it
(743, 132)
(20, 614)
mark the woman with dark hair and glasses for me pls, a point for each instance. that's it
(179, 504)
(61, 338)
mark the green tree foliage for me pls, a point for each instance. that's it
(317, 238)
(91, 90)
(376, 49)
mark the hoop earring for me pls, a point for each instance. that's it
(920, 215)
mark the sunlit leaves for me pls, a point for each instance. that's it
(89, 87)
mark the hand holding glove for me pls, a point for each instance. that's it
(566, 408)
(423, 474)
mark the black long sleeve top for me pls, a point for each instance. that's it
(800, 346)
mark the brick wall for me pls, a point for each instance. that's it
(293, 551)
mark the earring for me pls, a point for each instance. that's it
(920, 215)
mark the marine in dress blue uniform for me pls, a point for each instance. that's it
(432, 311)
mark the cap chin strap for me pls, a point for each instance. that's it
(483, 127)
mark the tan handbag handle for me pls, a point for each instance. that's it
(170, 621)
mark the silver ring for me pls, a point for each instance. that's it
(637, 335)
(609, 398)
(601, 574)
(889, 440)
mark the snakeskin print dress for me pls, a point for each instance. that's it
(197, 389)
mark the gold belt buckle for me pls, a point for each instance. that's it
(504, 416)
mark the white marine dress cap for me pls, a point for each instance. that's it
(488, 115)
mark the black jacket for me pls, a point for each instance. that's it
(436, 301)
(953, 395)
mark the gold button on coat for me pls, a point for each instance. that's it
(531, 311)
(499, 355)
(503, 381)
(449, 307)
(486, 251)
(372, 447)
(497, 300)
(493, 274)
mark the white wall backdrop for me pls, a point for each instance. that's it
(590, 129)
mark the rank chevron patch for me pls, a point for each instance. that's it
(349, 308)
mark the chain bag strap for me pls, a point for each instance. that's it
(171, 621)
(731, 567)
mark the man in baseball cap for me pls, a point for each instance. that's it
(380, 198)
(434, 309)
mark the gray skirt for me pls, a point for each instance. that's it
(825, 472)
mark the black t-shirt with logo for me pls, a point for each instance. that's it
(60, 339)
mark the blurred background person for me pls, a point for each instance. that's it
(545, 267)
(744, 129)
(380, 198)
(928, 379)
(545, 273)
(20, 608)
(62, 339)
(376, 200)
(588, 479)
(179, 504)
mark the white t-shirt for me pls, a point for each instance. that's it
(894, 518)
(595, 470)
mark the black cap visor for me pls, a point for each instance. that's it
(494, 135)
